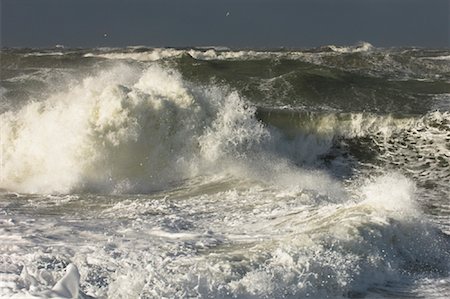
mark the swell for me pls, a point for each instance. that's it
(404, 81)
(320, 87)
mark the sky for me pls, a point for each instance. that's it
(230, 23)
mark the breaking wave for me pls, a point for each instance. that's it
(136, 130)
(122, 128)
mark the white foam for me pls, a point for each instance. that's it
(243, 242)
(392, 192)
(44, 54)
(218, 53)
(153, 55)
(445, 57)
(360, 47)
(163, 53)
(67, 286)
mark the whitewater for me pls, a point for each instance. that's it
(219, 173)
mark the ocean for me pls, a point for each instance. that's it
(225, 173)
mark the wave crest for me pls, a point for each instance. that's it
(123, 130)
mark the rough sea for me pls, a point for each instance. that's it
(224, 173)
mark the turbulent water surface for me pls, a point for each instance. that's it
(217, 173)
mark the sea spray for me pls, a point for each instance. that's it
(116, 127)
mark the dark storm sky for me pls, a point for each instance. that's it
(251, 23)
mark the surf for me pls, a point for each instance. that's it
(242, 174)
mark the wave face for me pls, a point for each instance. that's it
(140, 172)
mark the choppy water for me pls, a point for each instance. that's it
(217, 173)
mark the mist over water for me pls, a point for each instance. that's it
(216, 173)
